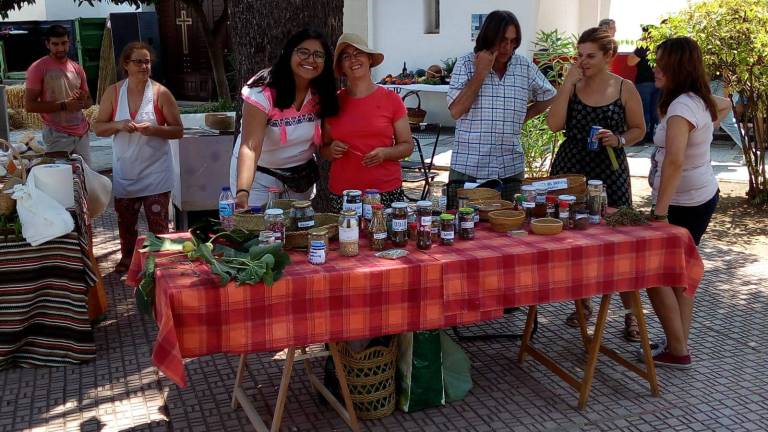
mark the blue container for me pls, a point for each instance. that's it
(593, 144)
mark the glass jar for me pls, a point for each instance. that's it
(518, 204)
(316, 253)
(388, 221)
(462, 200)
(603, 202)
(413, 225)
(424, 225)
(564, 214)
(594, 200)
(436, 226)
(377, 229)
(275, 222)
(302, 216)
(466, 223)
(266, 237)
(273, 194)
(551, 206)
(540, 205)
(352, 199)
(371, 197)
(570, 200)
(438, 194)
(529, 192)
(581, 220)
(349, 233)
(318, 234)
(476, 209)
(455, 215)
(447, 231)
(399, 224)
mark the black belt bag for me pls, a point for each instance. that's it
(299, 178)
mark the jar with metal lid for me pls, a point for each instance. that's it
(424, 222)
(476, 209)
(349, 233)
(552, 206)
(447, 231)
(462, 200)
(540, 206)
(302, 216)
(436, 225)
(466, 223)
(529, 192)
(275, 222)
(399, 224)
(594, 200)
(316, 253)
(353, 200)
(413, 225)
(377, 230)
(438, 194)
(564, 214)
(266, 237)
(571, 200)
(318, 234)
(371, 197)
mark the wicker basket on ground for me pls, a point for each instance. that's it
(415, 115)
(577, 185)
(371, 379)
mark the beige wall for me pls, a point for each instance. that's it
(571, 16)
(356, 17)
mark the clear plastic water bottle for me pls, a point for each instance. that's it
(226, 208)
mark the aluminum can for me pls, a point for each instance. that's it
(593, 144)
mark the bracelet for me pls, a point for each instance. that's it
(659, 217)
(243, 190)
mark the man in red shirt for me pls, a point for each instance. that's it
(56, 88)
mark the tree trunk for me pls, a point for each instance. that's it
(214, 41)
(264, 26)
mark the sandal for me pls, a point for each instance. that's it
(631, 328)
(122, 266)
(573, 319)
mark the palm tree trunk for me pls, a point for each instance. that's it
(264, 26)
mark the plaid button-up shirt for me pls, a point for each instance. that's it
(487, 140)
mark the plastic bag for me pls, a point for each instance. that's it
(457, 379)
(420, 371)
(42, 217)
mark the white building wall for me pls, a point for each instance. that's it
(44, 10)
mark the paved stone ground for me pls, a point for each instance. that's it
(121, 391)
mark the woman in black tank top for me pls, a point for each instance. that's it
(593, 96)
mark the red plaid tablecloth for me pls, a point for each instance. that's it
(365, 296)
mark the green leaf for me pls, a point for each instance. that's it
(225, 272)
(153, 243)
(145, 291)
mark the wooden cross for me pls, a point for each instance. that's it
(184, 21)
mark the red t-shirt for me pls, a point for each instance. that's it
(365, 124)
(58, 81)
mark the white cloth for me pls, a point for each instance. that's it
(141, 165)
(42, 217)
(99, 189)
(698, 183)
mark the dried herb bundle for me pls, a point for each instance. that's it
(627, 216)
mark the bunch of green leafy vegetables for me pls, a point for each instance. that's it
(230, 256)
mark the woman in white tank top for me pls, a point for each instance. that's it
(142, 116)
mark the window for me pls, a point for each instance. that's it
(431, 16)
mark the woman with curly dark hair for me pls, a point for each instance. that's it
(283, 108)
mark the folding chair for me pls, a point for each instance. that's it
(414, 171)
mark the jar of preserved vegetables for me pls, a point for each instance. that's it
(302, 216)
(353, 200)
(529, 192)
(594, 200)
(435, 225)
(275, 222)
(540, 205)
(424, 225)
(377, 230)
(447, 232)
(466, 223)
(399, 224)
(371, 197)
(349, 233)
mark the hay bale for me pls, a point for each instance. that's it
(91, 113)
(32, 120)
(15, 119)
(15, 96)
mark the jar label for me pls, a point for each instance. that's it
(467, 224)
(435, 230)
(477, 217)
(399, 225)
(357, 207)
(564, 215)
(349, 234)
(529, 204)
(316, 256)
(306, 224)
(367, 211)
(426, 221)
(442, 202)
(380, 236)
(448, 235)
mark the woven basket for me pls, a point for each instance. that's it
(415, 115)
(479, 194)
(299, 239)
(255, 222)
(8, 204)
(487, 206)
(371, 379)
(577, 185)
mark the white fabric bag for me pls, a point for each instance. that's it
(42, 217)
(99, 191)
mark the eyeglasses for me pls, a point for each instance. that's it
(139, 62)
(355, 55)
(305, 54)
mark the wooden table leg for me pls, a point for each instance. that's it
(282, 394)
(240, 398)
(527, 333)
(650, 367)
(239, 378)
(594, 348)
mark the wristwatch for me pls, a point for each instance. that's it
(622, 140)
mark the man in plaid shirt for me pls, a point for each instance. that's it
(489, 97)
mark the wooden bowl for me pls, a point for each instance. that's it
(506, 220)
(487, 206)
(546, 226)
(220, 121)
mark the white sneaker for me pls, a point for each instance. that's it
(656, 349)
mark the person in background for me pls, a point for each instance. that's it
(645, 84)
(57, 89)
(142, 116)
(729, 124)
(593, 96)
(685, 190)
(281, 124)
(489, 97)
(371, 134)
(608, 25)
